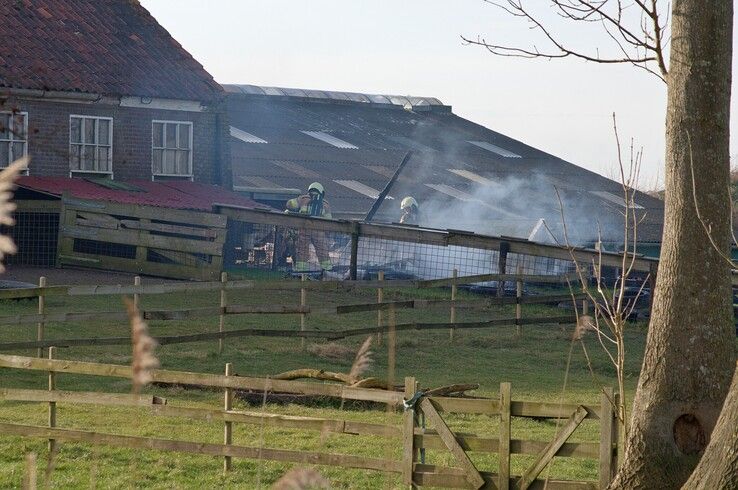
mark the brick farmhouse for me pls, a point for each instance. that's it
(98, 89)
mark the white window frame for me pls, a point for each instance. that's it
(12, 138)
(83, 117)
(154, 174)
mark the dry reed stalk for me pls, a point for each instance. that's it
(302, 479)
(7, 183)
(143, 358)
(362, 362)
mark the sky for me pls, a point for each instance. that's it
(414, 47)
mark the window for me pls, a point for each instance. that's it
(91, 144)
(13, 136)
(172, 148)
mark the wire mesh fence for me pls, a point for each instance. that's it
(344, 250)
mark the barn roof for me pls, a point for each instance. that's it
(465, 175)
(107, 47)
(174, 194)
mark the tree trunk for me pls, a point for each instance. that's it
(718, 468)
(690, 350)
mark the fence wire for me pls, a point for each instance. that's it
(315, 247)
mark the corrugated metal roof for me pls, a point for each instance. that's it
(383, 133)
(172, 194)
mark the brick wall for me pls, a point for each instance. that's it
(48, 139)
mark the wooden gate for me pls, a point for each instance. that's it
(465, 474)
(141, 239)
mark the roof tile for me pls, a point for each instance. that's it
(108, 47)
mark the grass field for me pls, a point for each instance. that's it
(535, 364)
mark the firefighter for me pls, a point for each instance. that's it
(410, 213)
(311, 204)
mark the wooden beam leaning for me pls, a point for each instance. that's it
(136, 442)
(552, 448)
(449, 439)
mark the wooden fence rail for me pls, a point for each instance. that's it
(413, 437)
(43, 317)
(288, 333)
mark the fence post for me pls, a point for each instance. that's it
(503, 452)
(454, 289)
(52, 405)
(227, 426)
(518, 305)
(502, 267)
(41, 309)
(607, 415)
(136, 296)
(380, 298)
(585, 307)
(391, 349)
(223, 304)
(355, 233)
(303, 303)
(408, 435)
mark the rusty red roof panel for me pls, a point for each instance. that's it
(177, 195)
(108, 47)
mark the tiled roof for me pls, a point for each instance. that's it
(108, 47)
(509, 194)
(174, 194)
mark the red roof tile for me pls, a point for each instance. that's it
(178, 195)
(108, 47)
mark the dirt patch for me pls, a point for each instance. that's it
(332, 351)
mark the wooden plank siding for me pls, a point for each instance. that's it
(189, 243)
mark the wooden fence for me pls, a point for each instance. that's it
(158, 241)
(415, 439)
(224, 309)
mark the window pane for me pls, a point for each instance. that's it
(4, 127)
(74, 154)
(184, 136)
(88, 158)
(19, 126)
(17, 149)
(89, 131)
(4, 149)
(183, 162)
(102, 158)
(158, 155)
(171, 136)
(75, 131)
(169, 161)
(104, 132)
(158, 135)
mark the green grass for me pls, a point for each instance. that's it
(535, 364)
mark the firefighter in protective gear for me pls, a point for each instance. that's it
(311, 204)
(410, 212)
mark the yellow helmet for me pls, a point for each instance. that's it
(408, 202)
(316, 186)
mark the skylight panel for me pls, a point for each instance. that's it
(245, 137)
(610, 197)
(495, 149)
(363, 189)
(473, 177)
(330, 139)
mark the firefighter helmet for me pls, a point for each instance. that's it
(316, 186)
(408, 202)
